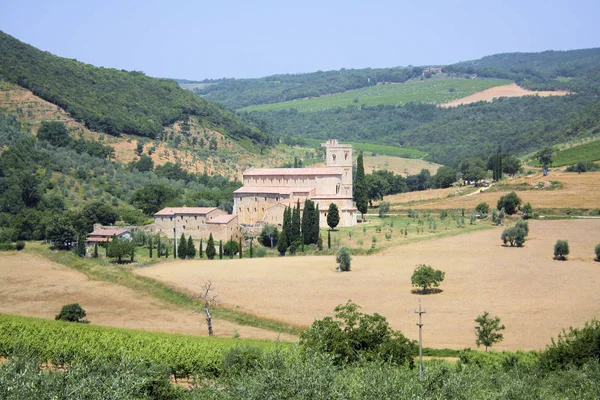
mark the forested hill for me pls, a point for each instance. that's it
(576, 70)
(115, 101)
(239, 93)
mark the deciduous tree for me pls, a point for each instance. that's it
(426, 277)
(488, 330)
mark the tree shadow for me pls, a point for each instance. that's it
(427, 291)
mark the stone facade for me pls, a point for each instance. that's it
(198, 222)
(267, 191)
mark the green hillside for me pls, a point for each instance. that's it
(113, 101)
(429, 91)
(376, 148)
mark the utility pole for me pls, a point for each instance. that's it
(420, 325)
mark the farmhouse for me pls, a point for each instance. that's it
(266, 192)
(105, 233)
(198, 222)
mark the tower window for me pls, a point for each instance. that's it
(333, 156)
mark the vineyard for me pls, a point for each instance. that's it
(585, 152)
(62, 342)
(434, 91)
(375, 148)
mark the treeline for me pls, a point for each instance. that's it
(238, 93)
(114, 101)
(516, 125)
(50, 190)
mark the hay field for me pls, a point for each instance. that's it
(512, 90)
(578, 191)
(534, 295)
(400, 166)
(36, 287)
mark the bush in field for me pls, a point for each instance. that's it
(384, 209)
(426, 277)
(20, 245)
(561, 249)
(483, 209)
(527, 210)
(515, 235)
(231, 248)
(351, 336)
(343, 258)
(72, 313)
(509, 202)
(574, 347)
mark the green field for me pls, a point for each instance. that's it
(434, 91)
(376, 148)
(62, 342)
(584, 152)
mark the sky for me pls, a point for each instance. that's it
(254, 38)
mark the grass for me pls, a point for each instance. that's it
(434, 91)
(376, 148)
(102, 270)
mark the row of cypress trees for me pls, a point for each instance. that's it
(299, 230)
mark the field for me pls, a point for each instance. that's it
(572, 155)
(512, 90)
(433, 91)
(375, 148)
(534, 295)
(36, 287)
(579, 191)
(402, 166)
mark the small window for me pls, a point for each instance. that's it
(333, 156)
(346, 156)
(171, 218)
(196, 218)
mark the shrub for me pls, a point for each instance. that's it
(7, 247)
(241, 359)
(483, 209)
(268, 236)
(20, 245)
(384, 209)
(343, 258)
(352, 336)
(561, 249)
(261, 252)
(510, 202)
(72, 313)
(573, 348)
(231, 248)
(527, 210)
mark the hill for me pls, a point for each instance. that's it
(114, 101)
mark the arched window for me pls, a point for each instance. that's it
(333, 156)
(346, 156)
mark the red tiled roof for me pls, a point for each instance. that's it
(222, 219)
(169, 211)
(294, 171)
(271, 189)
(108, 232)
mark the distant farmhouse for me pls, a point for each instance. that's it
(268, 191)
(198, 222)
(102, 234)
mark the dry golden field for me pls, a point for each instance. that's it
(36, 287)
(511, 90)
(578, 191)
(534, 295)
(401, 166)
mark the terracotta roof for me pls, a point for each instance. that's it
(330, 196)
(270, 189)
(222, 219)
(294, 171)
(97, 239)
(169, 211)
(108, 232)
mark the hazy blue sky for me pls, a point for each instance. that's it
(214, 39)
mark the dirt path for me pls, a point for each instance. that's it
(534, 295)
(34, 286)
(512, 90)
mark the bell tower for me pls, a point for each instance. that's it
(340, 156)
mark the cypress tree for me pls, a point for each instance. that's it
(191, 249)
(241, 248)
(158, 249)
(150, 246)
(287, 224)
(295, 233)
(282, 244)
(201, 250)
(333, 216)
(307, 218)
(182, 247)
(166, 251)
(81, 245)
(251, 250)
(361, 194)
(316, 225)
(220, 249)
(174, 248)
(210, 248)
(96, 250)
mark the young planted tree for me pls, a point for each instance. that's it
(158, 248)
(561, 250)
(95, 250)
(190, 248)
(483, 209)
(201, 249)
(488, 330)
(343, 258)
(210, 248)
(182, 247)
(241, 248)
(333, 216)
(210, 300)
(150, 246)
(426, 277)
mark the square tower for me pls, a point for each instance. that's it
(340, 156)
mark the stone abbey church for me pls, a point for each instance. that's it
(268, 191)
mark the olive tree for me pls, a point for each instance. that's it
(561, 249)
(343, 258)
